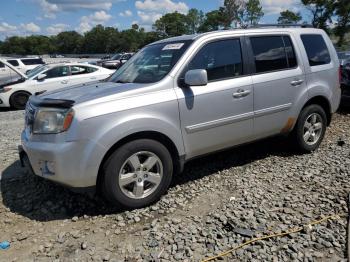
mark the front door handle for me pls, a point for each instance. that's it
(297, 82)
(241, 93)
(64, 81)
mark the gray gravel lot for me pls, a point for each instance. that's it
(219, 202)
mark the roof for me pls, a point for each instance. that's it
(238, 31)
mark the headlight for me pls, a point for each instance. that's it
(52, 120)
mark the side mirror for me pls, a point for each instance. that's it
(197, 77)
(41, 77)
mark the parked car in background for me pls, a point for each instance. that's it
(344, 60)
(117, 61)
(16, 89)
(178, 99)
(344, 57)
(25, 64)
(104, 58)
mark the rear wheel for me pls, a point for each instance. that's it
(19, 99)
(310, 128)
(137, 174)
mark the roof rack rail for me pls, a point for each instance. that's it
(281, 25)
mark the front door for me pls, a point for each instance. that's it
(220, 114)
(57, 77)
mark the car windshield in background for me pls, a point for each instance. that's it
(152, 63)
(36, 71)
(116, 57)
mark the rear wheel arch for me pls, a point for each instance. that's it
(322, 102)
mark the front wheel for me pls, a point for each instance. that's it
(19, 99)
(310, 128)
(137, 174)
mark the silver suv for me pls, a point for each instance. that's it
(180, 98)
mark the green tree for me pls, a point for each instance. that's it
(212, 22)
(68, 42)
(289, 17)
(231, 13)
(251, 13)
(342, 10)
(195, 19)
(321, 11)
(171, 24)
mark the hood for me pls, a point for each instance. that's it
(87, 92)
(13, 69)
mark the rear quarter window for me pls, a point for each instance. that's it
(316, 49)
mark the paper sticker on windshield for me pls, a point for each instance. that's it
(173, 46)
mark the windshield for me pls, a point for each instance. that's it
(151, 64)
(37, 70)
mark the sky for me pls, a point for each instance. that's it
(49, 17)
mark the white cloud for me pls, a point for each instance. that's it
(151, 10)
(56, 28)
(126, 13)
(30, 28)
(148, 17)
(87, 22)
(5, 27)
(163, 6)
(271, 7)
(52, 7)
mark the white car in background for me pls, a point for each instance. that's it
(23, 64)
(16, 87)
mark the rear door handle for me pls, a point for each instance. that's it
(297, 82)
(64, 81)
(241, 93)
(93, 77)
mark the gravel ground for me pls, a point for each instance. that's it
(218, 202)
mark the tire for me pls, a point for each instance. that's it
(19, 99)
(310, 128)
(132, 183)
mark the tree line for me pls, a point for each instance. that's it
(233, 14)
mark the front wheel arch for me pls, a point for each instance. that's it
(178, 162)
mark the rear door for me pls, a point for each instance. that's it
(277, 81)
(83, 74)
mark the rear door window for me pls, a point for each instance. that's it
(79, 70)
(316, 49)
(273, 53)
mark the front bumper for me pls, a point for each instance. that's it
(66, 163)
